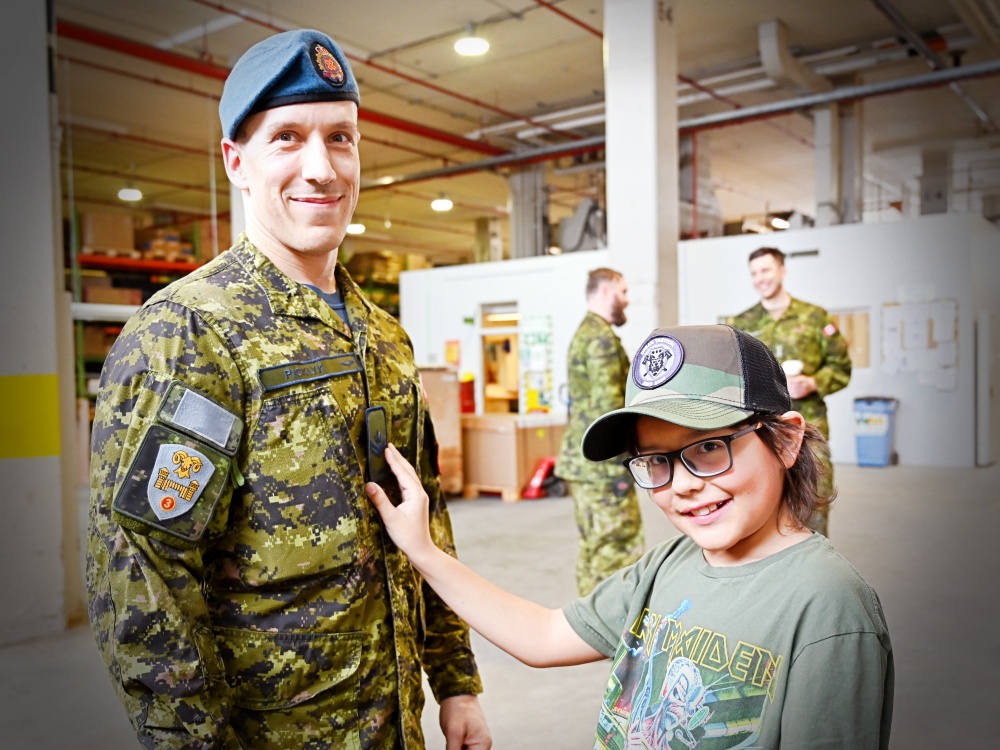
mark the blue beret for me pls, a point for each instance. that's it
(288, 68)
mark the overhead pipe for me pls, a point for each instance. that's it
(181, 62)
(707, 122)
(138, 178)
(202, 152)
(682, 78)
(383, 68)
(932, 59)
(523, 158)
(114, 135)
(845, 94)
(138, 77)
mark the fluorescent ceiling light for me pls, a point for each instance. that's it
(130, 194)
(441, 204)
(471, 45)
(779, 223)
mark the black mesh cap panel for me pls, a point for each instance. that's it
(766, 389)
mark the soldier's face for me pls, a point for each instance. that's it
(767, 276)
(299, 170)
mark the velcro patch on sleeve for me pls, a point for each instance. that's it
(201, 418)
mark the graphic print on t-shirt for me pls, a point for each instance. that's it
(675, 687)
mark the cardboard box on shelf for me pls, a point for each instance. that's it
(96, 340)
(375, 267)
(200, 236)
(107, 233)
(112, 295)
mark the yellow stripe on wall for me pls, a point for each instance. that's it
(29, 426)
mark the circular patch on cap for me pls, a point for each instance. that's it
(658, 360)
(327, 65)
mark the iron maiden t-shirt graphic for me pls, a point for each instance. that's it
(678, 685)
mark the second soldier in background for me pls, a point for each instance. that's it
(606, 506)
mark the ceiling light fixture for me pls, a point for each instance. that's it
(471, 45)
(130, 194)
(441, 204)
(355, 228)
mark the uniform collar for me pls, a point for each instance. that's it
(286, 295)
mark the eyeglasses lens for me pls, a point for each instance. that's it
(705, 459)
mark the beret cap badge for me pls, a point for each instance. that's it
(327, 65)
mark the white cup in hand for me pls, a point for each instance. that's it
(792, 367)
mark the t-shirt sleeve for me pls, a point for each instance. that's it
(839, 694)
(600, 617)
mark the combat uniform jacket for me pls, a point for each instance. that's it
(272, 610)
(597, 371)
(807, 333)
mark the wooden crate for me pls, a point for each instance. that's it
(502, 450)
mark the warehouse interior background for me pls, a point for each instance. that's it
(666, 139)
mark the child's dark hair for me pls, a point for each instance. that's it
(800, 493)
(802, 481)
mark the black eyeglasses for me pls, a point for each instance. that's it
(706, 458)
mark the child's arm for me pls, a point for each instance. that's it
(536, 635)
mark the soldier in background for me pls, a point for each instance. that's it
(604, 497)
(243, 591)
(805, 340)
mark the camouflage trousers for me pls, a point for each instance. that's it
(610, 526)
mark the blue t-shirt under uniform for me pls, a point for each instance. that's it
(791, 651)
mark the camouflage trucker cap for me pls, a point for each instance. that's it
(703, 377)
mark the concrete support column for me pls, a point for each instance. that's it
(935, 182)
(489, 242)
(839, 164)
(640, 83)
(826, 137)
(852, 183)
(528, 212)
(36, 444)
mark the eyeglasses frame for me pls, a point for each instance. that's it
(673, 456)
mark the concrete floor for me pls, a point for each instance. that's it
(927, 539)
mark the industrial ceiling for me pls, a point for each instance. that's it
(138, 83)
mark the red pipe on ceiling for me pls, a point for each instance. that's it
(181, 62)
(391, 71)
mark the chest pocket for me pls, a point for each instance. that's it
(304, 481)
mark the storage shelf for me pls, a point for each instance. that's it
(100, 312)
(114, 263)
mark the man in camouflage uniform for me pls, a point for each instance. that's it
(243, 591)
(795, 330)
(604, 497)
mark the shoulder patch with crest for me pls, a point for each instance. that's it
(181, 469)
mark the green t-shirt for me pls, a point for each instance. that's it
(789, 651)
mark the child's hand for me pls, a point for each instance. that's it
(407, 524)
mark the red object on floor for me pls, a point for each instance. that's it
(535, 488)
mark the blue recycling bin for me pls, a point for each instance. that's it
(873, 428)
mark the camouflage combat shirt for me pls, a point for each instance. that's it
(242, 588)
(598, 368)
(805, 332)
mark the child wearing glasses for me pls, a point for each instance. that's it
(749, 630)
